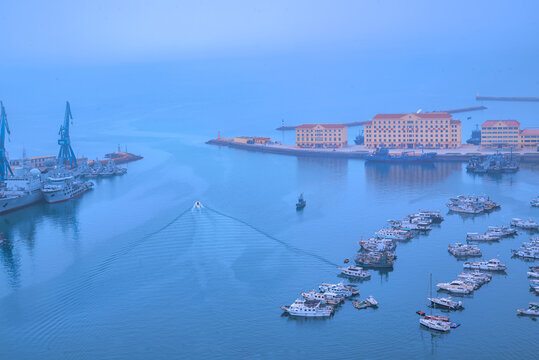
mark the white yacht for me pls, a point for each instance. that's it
(473, 236)
(435, 324)
(533, 310)
(23, 189)
(456, 286)
(491, 265)
(525, 224)
(355, 272)
(501, 231)
(308, 308)
(327, 297)
(446, 302)
(60, 189)
(339, 289)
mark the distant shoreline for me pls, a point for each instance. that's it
(358, 152)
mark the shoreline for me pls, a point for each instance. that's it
(462, 154)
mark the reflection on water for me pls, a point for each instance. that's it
(426, 173)
(337, 168)
(19, 229)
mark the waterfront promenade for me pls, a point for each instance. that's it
(463, 153)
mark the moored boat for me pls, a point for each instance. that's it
(525, 224)
(355, 272)
(456, 287)
(533, 310)
(308, 308)
(435, 324)
(491, 265)
(446, 302)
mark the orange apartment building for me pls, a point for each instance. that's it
(321, 136)
(507, 133)
(436, 130)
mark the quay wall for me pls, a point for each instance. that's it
(525, 157)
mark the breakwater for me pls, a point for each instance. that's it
(459, 155)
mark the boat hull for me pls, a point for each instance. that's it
(15, 203)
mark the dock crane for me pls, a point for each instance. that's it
(5, 169)
(66, 154)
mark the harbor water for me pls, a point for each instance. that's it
(132, 270)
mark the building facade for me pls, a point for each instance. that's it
(322, 136)
(529, 139)
(435, 130)
(500, 133)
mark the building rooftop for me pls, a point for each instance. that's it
(327, 126)
(431, 115)
(530, 132)
(506, 122)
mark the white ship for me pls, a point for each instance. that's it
(327, 297)
(23, 189)
(533, 310)
(355, 272)
(308, 308)
(491, 265)
(446, 302)
(64, 188)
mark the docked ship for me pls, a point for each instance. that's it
(60, 189)
(383, 155)
(20, 190)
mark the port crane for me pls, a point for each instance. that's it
(66, 154)
(5, 169)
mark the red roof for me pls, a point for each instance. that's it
(431, 115)
(327, 126)
(530, 132)
(505, 122)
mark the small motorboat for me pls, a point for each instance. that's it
(533, 310)
(355, 272)
(446, 302)
(346, 261)
(301, 202)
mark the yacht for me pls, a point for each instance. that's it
(327, 297)
(501, 231)
(456, 287)
(472, 236)
(339, 289)
(476, 279)
(525, 224)
(60, 189)
(491, 265)
(533, 310)
(308, 308)
(394, 234)
(531, 253)
(355, 272)
(435, 324)
(23, 189)
(446, 302)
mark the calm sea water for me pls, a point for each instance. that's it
(129, 270)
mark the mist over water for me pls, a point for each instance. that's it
(132, 270)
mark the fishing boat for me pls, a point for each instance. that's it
(535, 202)
(476, 279)
(491, 265)
(462, 250)
(308, 308)
(301, 202)
(355, 272)
(532, 253)
(375, 259)
(525, 224)
(378, 244)
(434, 216)
(446, 302)
(533, 310)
